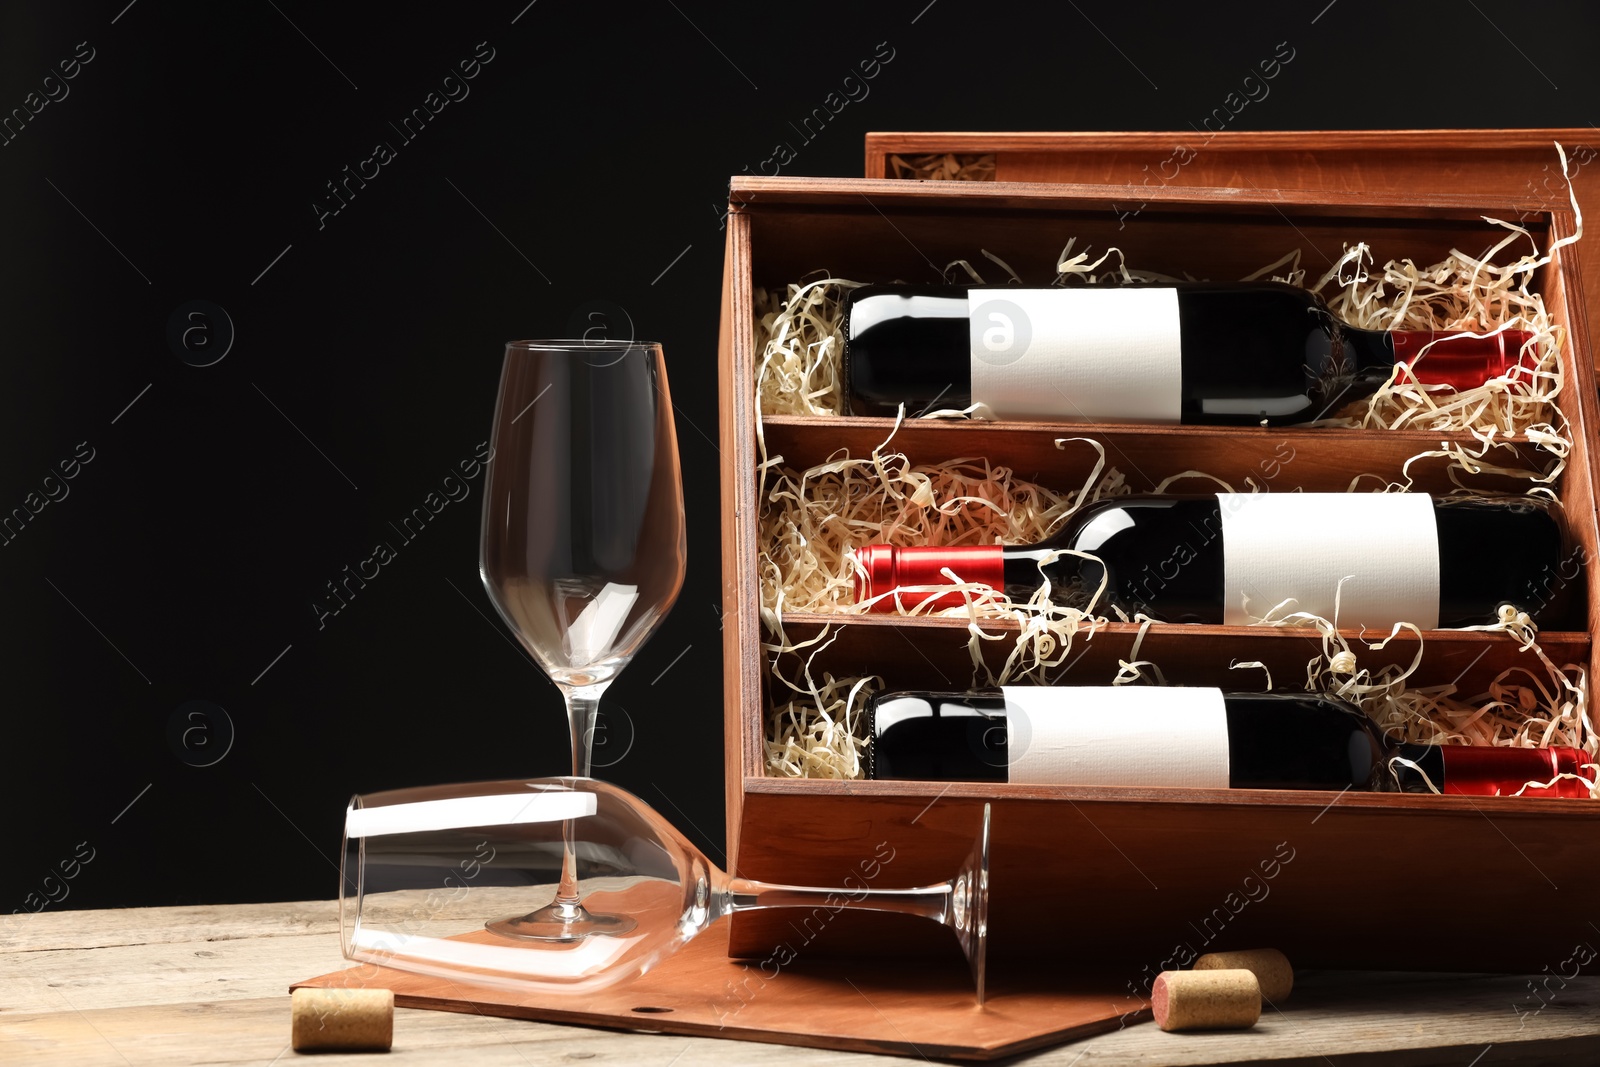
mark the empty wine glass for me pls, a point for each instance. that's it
(423, 868)
(583, 537)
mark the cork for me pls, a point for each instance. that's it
(342, 1019)
(1270, 967)
(1206, 1000)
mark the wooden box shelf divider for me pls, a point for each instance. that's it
(1133, 875)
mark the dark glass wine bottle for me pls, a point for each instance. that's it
(1236, 557)
(1195, 738)
(1216, 353)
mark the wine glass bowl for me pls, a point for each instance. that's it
(583, 530)
(426, 871)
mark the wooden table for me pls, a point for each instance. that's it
(209, 985)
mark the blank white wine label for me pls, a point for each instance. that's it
(1117, 736)
(1278, 546)
(1076, 355)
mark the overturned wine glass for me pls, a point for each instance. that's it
(428, 872)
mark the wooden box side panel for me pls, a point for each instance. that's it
(1580, 404)
(741, 638)
(1332, 882)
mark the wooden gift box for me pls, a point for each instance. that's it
(1133, 879)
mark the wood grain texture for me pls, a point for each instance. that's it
(1062, 456)
(919, 653)
(1581, 405)
(1377, 164)
(1131, 878)
(984, 141)
(1355, 1019)
(1417, 206)
(882, 231)
(1089, 863)
(740, 594)
(105, 928)
(857, 1005)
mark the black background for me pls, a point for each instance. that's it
(588, 163)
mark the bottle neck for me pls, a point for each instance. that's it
(1458, 360)
(1367, 350)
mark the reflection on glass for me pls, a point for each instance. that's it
(428, 871)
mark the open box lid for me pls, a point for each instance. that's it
(1519, 168)
(1514, 166)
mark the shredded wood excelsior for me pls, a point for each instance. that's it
(945, 166)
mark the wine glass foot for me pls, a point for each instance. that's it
(969, 910)
(561, 922)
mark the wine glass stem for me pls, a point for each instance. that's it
(567, 891)
(583, 703)
(928, 902)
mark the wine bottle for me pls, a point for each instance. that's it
(1235, 557)
(1216, 353)
(1184, 737)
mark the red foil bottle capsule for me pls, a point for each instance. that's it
(882, 569)
(1482, 771)
(1462, 361)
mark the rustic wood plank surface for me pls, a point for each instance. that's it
(209, 985)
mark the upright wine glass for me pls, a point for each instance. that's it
(423, 868)
(583, 539)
